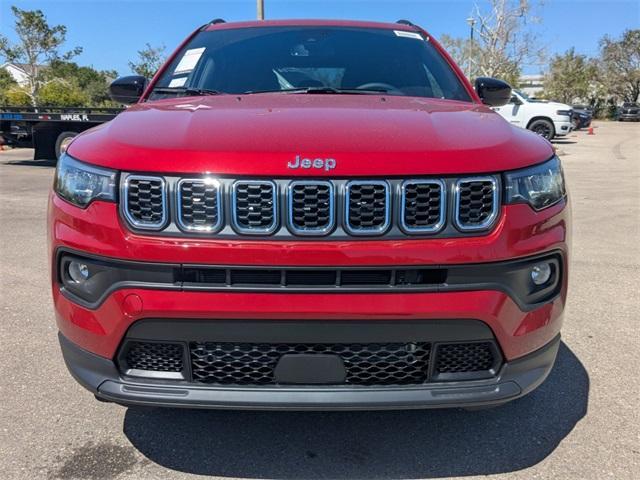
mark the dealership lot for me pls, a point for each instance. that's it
(582, 423)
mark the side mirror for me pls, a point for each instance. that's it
(515, 100)
(492, 91)
(127, 90)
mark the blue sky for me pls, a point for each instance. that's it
(111, 32)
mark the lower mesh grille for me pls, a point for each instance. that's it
(255, 363)
(154, 356)
(367, 364)
(464, 357)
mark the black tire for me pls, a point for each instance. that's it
(64, 136)
(543, 127)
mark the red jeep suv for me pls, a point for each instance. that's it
(309, 215)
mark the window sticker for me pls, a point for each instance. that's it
(189, 60)
(177, 82)
(402, 33)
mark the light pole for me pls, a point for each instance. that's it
(260, 9)
(471, 21)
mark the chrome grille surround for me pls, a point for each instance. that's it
(125, 192)
(442, 208)
(193, 226)
(348, 194)
(488, 216)
(397, 216)
(331, 217)
(238, 222)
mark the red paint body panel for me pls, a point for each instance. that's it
(259, 134)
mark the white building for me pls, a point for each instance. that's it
(18, 71)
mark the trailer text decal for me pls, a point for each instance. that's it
(74, 117)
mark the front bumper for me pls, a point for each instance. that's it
(515, 379)
(563, 126)
(92, 334)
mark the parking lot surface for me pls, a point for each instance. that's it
(582, 423)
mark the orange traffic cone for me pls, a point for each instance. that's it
(590, 132)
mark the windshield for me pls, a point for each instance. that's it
(317, 59)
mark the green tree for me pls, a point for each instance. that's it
(17, 96)
(619, 66)
(94, 83)
(6, 82)
(570, 78)
(61, 93)
(38, 44)
(149, 60)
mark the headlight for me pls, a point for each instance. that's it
(540, 186)
(81, 184)
(566, 113)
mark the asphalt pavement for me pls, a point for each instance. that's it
(582, 423)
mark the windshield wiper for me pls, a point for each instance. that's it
(321, 90)
(186, 91)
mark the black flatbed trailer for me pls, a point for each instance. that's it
(47, 128)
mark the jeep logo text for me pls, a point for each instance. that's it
(326, 163)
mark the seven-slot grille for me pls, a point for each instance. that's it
(311, 207)
(145, 201)
(368, 207)
(423, 205)
(476, 203)
(199, 204)
(254, 206)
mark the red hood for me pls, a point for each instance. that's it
(258, 134)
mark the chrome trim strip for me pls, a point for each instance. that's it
(443, 206)
(142, 225)
(234, 211)
(310, 231)
(367, 231)
(199, 228)
(494, 210)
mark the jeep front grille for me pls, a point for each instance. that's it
(254, 207)
(368, 206)
(145, 201)
(311, 207)
(199, 205)
(476, 203)
(336, 208)
(423, 206)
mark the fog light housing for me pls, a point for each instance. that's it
(78, 271)
(541, 273)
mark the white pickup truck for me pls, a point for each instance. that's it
(548, 119)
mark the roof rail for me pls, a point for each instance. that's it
(405, 22)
